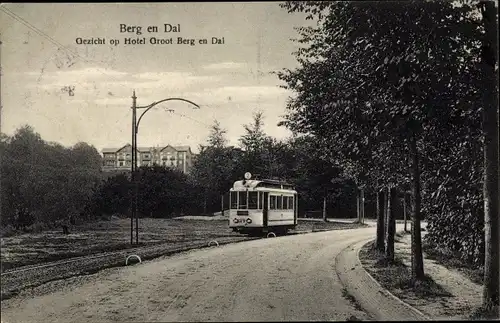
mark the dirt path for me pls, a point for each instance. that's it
(286, 278)
(464, 295)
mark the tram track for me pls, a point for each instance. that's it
(130, 251)
(15, 280)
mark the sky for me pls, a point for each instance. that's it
(70, 92)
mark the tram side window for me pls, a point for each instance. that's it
(279, 204)
(242, 203)
(234, 200)
(290, 202)
(261, 200)
(285, 202)
(252, 200)
(272, 202)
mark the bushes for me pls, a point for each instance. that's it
(162, 193)
(44, 182)
(7, 231)
(453, 199)
(458, 234)
(37, 227)
(456, 220)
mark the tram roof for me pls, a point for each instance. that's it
(263, 183)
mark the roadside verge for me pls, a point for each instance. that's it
(444, 294)
(371, 296)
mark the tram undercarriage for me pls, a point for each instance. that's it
(255, 232)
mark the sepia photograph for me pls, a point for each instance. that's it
(249, 161)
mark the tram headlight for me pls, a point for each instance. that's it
(249, 221)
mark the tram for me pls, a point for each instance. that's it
(260, 206)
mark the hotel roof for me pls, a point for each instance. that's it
(146, 149)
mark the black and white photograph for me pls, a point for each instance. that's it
(249, 161)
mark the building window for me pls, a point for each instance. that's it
(121, 163)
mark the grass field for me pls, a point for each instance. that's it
(105, 236)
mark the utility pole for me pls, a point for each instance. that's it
(134, 177)
(1, 73)
(132, 169)
(134, 161)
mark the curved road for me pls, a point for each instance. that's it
(277, 279)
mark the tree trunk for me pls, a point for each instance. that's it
(405, 210)
(491, 182)
(380, 221)
(391, 224)
(205, 204)
(358, 206)
(222, 204)
(416, 238)
(324, 208)
(362, 199)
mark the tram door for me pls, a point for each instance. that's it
(265, 209)
(295, 208)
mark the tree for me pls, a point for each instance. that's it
(380, 82)
(164, 191)
(312, 174)
(113, 196)
(21, 171)
(45, 182)
(217, 135)
(381, 207)
(257, 158)
(489, 61)
(214, 167)
(254, 137)
(83, 154)
(390, 224)
(416, 239)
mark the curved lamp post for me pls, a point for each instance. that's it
(135, 130)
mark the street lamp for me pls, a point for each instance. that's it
(135, 130)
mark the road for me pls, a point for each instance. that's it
(286, 278)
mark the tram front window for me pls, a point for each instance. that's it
(234, 200)
(242, 200)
